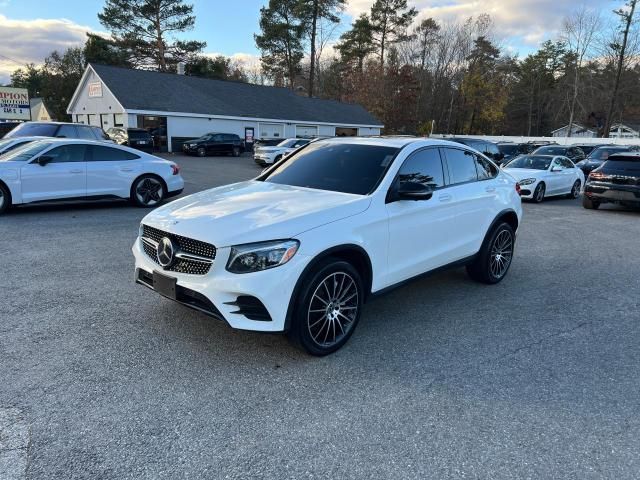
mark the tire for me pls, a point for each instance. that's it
(148, 191)
(538, 194)
(235, 151)
(589, 204)
(5, 199)
(277, 159)
(201, 152)
(495, 256)
(328, 308)
(575, 190)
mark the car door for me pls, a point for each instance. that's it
(420, 231)
(63, 176)
(216, 144)
(555, 178)
(111, 171)
(569, 173)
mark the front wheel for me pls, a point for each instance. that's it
(575, 190)
(147, 191)
(328, 309)
(5, 199)
(494, 258)
(538, 193)
(201, 152)
(236, 151)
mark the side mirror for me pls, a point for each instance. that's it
(556, 169)
(413, 191)
(43, 160)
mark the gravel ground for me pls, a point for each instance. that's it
(537, 377)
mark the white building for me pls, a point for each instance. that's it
(175, 108)
(38, 110)
(577, 130)
(624, 130)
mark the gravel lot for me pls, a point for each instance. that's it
(537, 377)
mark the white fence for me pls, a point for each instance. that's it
(558, 140)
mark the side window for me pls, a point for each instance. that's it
(556, 164)
(423, 167)
(67, 131)
(492, 150)
(85, 133)
(485, 168)
(566, 163)
(462, 165)
(67, 153)
(99, 133)
(108, 154)
(217, 138)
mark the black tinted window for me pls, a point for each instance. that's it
(566, 163)
(67, 153)
(462, 166)
(492, 149)
(217, 138)
(99, 133)
(423, 167)
(33, 129)
(108, 154)
(67, 131)
(339, 167)
(485, 168)
(85, 133)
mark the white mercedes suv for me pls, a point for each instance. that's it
(300, 248)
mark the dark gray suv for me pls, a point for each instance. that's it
(58, 130)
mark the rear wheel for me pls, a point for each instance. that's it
(328, 309)
(575, 190)
(148, 191)
(236, 151)
(538, 194)
(590, 204)
(5, 199)
(494, 258)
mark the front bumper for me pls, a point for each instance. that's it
(263, 159)
(217, 293)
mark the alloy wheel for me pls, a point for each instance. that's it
(575, 191)
(501, 254)
(539, 193)
(2, 199)
(149, 191)
(333, 309)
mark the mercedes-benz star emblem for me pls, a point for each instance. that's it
(165, 252)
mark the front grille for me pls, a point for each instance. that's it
(186, 245)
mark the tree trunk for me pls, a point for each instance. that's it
(162, 64)
(314, 24)
(616, 85)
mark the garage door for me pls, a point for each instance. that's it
(306, 131)
(271, 130)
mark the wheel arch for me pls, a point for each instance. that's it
(509, 216)
(147, 174)
(6, 187)
(350, 253)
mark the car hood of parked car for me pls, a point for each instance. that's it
(253, 211)
(522, 173)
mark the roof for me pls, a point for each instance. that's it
(586, 129)
(169, 92)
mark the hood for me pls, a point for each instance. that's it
(271, 149)
(522, 173)
(253, 211)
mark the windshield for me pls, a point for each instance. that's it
(551, 151)
(33, 129)
(603, 153)
(509, 149)
(203, 138)
(4, 143)
(531, 161)
(287, 143)
(338, 167)
(24, 153)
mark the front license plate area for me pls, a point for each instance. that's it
(164, 285)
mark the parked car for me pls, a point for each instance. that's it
(617, 180)
(575, 154)
(6, 127)
(490, 149)
(541, 176)
(137, 138)
(58, 130)
(269, 155)
(267, 142)
(598, 156)
(8, 144)
(510, 150)
(300, 248)
(214, 144)
(587, 148)
(68, 169)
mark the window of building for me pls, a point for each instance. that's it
(118, 119)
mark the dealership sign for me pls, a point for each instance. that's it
(14, 104)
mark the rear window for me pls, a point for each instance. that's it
(139, 134)
(33, 130)
(551, 151)
(338, 167)
(509, 149)
(630, 164)
(603, 153)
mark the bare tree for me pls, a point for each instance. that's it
(579, 31)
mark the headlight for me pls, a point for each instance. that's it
(141, 230)
(254, 257)
(528, 181)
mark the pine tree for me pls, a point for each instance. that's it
(390, 20)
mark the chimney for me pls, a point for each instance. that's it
(180, 68)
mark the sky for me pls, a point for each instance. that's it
(31, 29)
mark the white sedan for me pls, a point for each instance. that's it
(541, 176)
(269, 155)
(66, 169)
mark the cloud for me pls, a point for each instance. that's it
(30, 41)
(518, 22)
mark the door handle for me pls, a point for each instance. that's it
(126, 169)
(75, 171)
(445, 197)
(490, 189)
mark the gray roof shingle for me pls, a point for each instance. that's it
(168, 92)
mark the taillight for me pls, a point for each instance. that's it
(596, 176)
(175, 168)
(517, 188)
